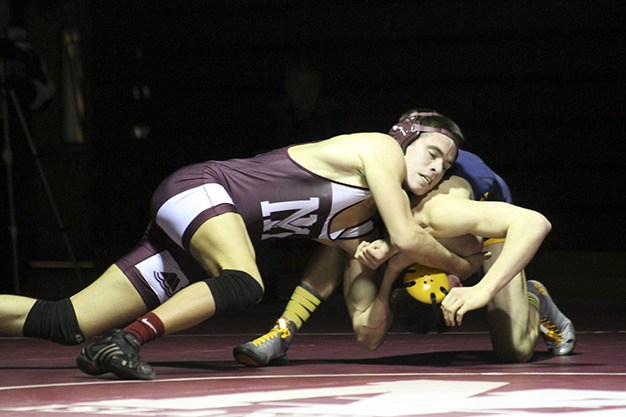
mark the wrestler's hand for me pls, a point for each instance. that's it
(373, 254)
(459, 301)
(474, 263)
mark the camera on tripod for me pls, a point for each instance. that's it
(15, 62)
(23, 83)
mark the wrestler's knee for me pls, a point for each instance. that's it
(514, 353)
(512, 344)
(55, 321)
(369, 338)
(234, 290)
(371, 333)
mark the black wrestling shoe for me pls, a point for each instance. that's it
(556, 329)
(269, 349)
(117, 352)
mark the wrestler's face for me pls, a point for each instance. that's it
(427, 160)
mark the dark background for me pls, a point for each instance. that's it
(537, 88)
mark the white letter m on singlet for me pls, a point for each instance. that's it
(297, 223)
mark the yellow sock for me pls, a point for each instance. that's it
(534, 301)
(303, 302)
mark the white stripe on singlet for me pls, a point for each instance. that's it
(345, 196)
(175, 215)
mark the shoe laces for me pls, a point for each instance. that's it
(280, 329)
(551, 332)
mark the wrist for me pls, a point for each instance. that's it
(462, 268)
(485, 286)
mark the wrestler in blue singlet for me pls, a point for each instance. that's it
(486, 184)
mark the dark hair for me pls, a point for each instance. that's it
(415, 316)
(415, 121)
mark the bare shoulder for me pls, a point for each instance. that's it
(340, 158)
(453, 186)
(348, 143)
(373, 142)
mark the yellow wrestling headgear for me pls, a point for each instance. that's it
(425, 284)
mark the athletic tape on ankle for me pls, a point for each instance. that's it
(303, 302)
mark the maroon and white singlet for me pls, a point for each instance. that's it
(276, 197)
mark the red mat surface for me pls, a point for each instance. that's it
(450, 374)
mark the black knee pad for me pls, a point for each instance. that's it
(55, 321)
(233, 291)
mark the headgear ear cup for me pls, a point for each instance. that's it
(427, 285)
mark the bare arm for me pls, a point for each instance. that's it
(374, 254)
(384, 170)
(525, 230)
(368, 306)
(375, 161)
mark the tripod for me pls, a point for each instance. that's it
(7, 93)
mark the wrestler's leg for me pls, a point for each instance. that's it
(13, 312)
(222, 246)
(323, 272)
(513, 323)
(367, 307)
(321, 277)
(109, 301)
(367, 304)
(220, 243)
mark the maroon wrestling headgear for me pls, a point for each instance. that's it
(414, 122)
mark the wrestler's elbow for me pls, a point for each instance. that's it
(539, 222)
(546, 224)
(369, 338)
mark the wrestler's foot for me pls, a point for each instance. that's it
(269, 349)
(116, 352)
(556, 329)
